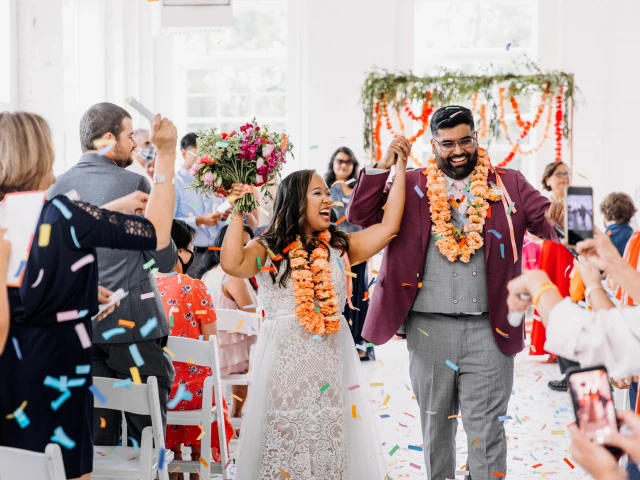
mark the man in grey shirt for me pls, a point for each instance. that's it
(100, 179)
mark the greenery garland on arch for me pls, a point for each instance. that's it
(384, 93)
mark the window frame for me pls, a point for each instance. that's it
(12, 104)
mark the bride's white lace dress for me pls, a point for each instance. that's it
(299, 419)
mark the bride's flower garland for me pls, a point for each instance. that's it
(453, 244)
(312, 280)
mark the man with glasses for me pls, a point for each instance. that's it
(196, 210)
(444, 280)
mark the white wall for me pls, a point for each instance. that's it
(600, 43)
(341, 42)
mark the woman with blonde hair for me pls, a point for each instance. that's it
(45, 372)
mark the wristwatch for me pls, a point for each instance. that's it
(590, 290)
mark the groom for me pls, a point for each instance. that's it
(445, 278)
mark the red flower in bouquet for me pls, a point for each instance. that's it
(207, 160)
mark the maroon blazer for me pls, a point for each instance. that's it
(404, 259)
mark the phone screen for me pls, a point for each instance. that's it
(593, 403)
(579, 214)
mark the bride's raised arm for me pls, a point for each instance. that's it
(366, 243)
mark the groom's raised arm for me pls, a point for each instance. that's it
(368, 197)
(536, 207)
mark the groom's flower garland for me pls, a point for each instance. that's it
(313, 280)
(453, 244)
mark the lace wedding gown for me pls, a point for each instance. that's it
(299, 420)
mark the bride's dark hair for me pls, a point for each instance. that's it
(290, 219)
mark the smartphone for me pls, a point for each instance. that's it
(578, 214)
(593, 404)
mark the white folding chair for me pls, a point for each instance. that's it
(204, 354)
(130, 462)
(17, 464)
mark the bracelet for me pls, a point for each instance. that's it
(160, 179)
(543, 288)
(590, 289)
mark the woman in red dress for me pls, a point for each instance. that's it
(191, 313)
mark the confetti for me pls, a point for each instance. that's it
(63, 208)
(511, 205)
(418, 191)
(39, 279)
(582, 176)
(161, 459)
(429, 413)
(149, 326)
(126, 323)
(474, 443)
(376, 384)
(385, 416)
(55, 404)
(135, 354)
(498, 236)
(569, 463)
(394, 450)
(60, 437)
(508, 46)
(500, 332)
(505, 417)
(145, 296)
(272, 89)
(70, 315)
(289, 247)
(135, 375)
(324, 388)
(204, 462)
(557, 432)
(103, 422)
(83, 335)
(126, 383)
(415, 466)
(44, 235)
(181, 394)
(520, 422)
(202, 433)
(74, 237)
(353, 387)
(237, 398)
(113, 332)
(353, 411)
(83, 369)
(566, 271)
(313, 147)
(386, 400)
(98, 394)
(221, 144)
(86, 260)
(451, 364)
(462, 472)
(286, 475)
(502, 250)
(453, 416)
(169, 352)
(537, 465)
(251, 305)
(498, 474)
(16, 347)
(415, 447)
(149, 264)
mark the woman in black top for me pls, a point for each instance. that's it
(45, 370)
(341, 177)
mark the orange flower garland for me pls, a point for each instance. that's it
(452, 243)
(312, 282)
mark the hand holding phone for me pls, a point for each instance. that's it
(593, 404)
(578, 214)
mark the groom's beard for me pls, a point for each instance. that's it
(457, 173)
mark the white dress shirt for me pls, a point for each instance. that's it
(608, 337)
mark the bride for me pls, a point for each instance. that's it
(307, 417)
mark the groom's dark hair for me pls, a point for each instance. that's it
(451, 116)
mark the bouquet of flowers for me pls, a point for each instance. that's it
(253, 157)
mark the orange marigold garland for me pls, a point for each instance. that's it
(453, 244)
(311, 283)
(559, 127)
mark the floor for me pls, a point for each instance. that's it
(537, 434)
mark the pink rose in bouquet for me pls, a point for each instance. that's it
(254, 156)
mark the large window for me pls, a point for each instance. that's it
(229, 77)
(475, 36)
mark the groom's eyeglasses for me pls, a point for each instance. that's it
(449, 146)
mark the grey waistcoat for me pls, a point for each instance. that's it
(452, 287)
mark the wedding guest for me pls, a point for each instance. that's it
(144, 155)
(609, 337)
(51, 311)
(191, 313)
(618, 209)
(5, 251)
(341, 177)
(198, 211)
(99, 179)
(232, 294)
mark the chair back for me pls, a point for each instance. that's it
(141, 399)
(230, 320)
(17, 464)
